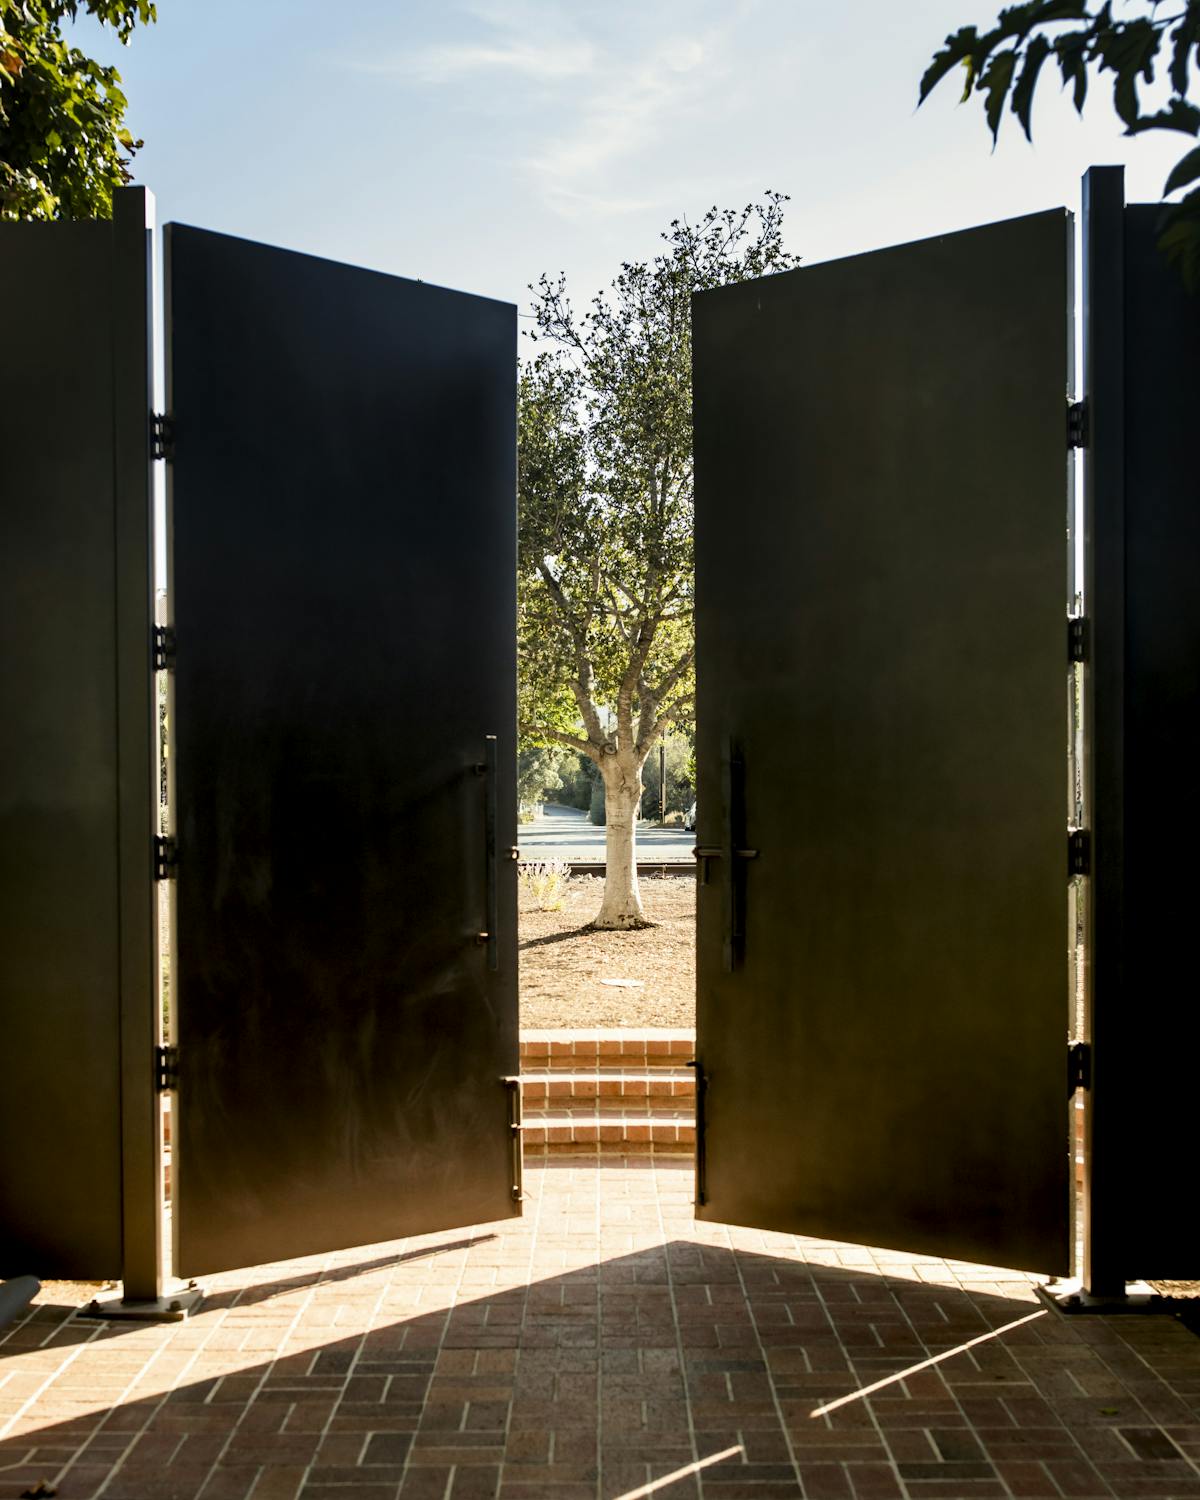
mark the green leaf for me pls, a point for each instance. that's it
(1180, 239)
(1071, 52)
(1061, 10)
(1022, 99)
(957, 49)
(65, 143)
(1177, 115)
(1127, 50)
(1017, 21)
(995, 83)
(1185, 170)
(1185, 36)
(1013, 21)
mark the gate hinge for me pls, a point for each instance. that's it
(1079, 851)
(1078, 638)
(164, 648)
(1078, 425)
(166, 1069)
(1079, 1066)
(166, 858)
(162, 436)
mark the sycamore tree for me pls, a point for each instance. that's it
(1003, 65)
(64, 145)
(607, 646)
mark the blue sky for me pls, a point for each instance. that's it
(477, 144)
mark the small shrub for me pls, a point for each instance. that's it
(546, 882)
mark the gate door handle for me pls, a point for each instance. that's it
(513, 1085)
(489, 770)
(734, 854)
(705, 852)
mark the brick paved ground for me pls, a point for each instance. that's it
(592, 1350)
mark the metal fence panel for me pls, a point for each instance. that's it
(76, 900)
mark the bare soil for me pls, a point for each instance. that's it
(563, 964)
(70, 1293)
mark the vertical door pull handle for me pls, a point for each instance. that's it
(491, 887)
(513, 1085)
(733, 854)
(701, 1121)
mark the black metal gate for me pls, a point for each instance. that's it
(881, 598)
(341, 478)
(80, 1142)
(342, 542)
(883, 722)
(1141, 348)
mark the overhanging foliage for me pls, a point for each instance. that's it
(64, 145)
(1003, 66)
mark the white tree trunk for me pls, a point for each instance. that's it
(622, 904)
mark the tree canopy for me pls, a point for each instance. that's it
(1003, 65)
(64, 145)
(605, 481)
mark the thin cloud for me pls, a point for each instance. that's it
(547, 60)
(626, 113)
(605, 94)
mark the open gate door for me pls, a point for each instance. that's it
(344, 537)
(881, 577)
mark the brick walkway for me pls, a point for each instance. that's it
(595, 1349)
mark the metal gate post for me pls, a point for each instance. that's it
(141, 1116)
(1103, 1270)
(145, 1291)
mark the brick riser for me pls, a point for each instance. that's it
(618, 1093)
(623, 1048)
(625, 1138)
(555, 1087)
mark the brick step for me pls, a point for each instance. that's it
(626, 1132)
(585, 1050)
(612, 1110)
(559, 1086)
(606, 1091)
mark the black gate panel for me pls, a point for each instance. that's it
(343, 504)
(881, 586)
(76, 821)
(1142, 360)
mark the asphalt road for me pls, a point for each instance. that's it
(565, 833)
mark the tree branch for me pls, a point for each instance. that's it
(558, 737)
(651, 723)
(676, 675)
(681, 708)
(554, 589)
(581, 686)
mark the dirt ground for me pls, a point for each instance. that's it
(563, 966)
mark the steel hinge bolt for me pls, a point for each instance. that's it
(166, 1069)
(1079, 852)
(1078, 424)
(164, 648)
(1078, 638)
(166, 858)
(162, 436)
(1079, 1066)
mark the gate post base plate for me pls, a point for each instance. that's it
(172, 1307)
(1069, 1296)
